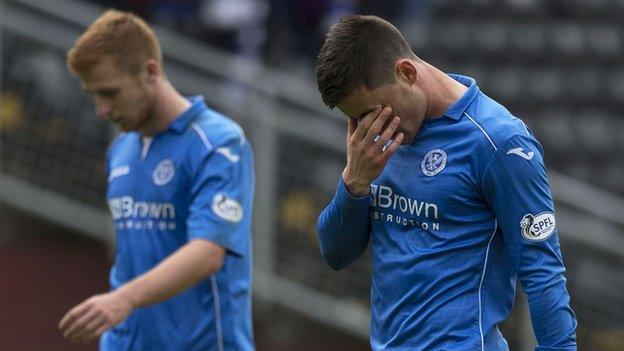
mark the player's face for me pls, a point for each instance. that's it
(406, 102)
(121, 98)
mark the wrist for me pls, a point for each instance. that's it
(125, 294)
(355, 187)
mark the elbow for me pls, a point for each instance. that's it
(215, 266)
(339, 248)
(209, 267)
(334, 261)
(211, 263)
(338, 256)
(330, 253)
(338, 266)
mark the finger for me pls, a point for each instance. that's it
(90, 330)
(81, 340)
(351, 125)
(67, 319)
(378, 123)
(101, 330)
(88, 327)
(389, 132)
(72, 315)
(365, 123)
(79, 324)
(393, 147)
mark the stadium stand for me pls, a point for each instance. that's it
(556, 64)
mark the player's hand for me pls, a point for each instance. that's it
(366, 156)
(94, 316)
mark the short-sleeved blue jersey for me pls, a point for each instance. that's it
(454, 219)
(194, 181)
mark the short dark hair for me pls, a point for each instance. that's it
(358, 51)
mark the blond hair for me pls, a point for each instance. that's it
(125, 37)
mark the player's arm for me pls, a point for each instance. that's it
(516, 186)
(343, 226)
(219, 179)
(190, 264)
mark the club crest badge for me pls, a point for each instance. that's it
(164, 172)
(433, 162)
(227, 208)
(539, 227)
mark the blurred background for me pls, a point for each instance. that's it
(557, 64)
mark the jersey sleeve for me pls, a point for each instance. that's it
(343, 228)
(516, 187)
(221, 187)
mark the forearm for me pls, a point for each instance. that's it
(553, 320)
(343, 229)
(190, 264)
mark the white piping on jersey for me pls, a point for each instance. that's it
(217, 304)
(523, 124)
(525, 128)
(241, 133)
(486, 134)
(116, 139)
(202, 136)
(146, 143)
(487, 253)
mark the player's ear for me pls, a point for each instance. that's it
(405, 71)
(153, 69)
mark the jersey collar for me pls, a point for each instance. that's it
(456, 110)
(198, 105)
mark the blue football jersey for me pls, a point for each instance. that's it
(194, 181)
(454, 220)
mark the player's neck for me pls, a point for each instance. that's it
(168, 105)
(442, 92)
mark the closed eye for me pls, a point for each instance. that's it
(107, 93)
